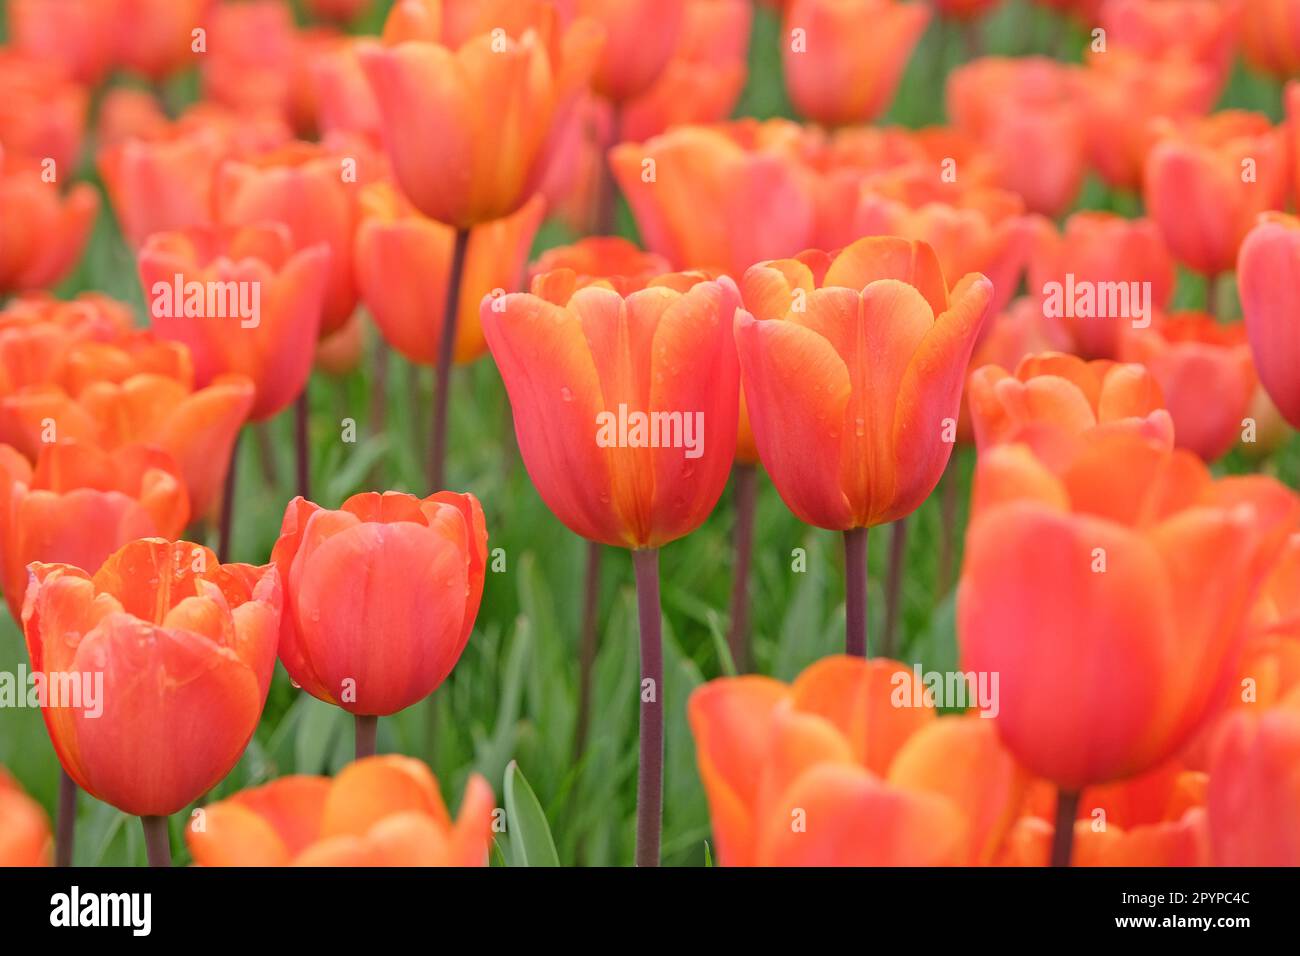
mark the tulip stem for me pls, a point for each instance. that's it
(948, 520)
(157, 841)
(607, 200)
(367, 735)
(894, 587)
(446, 351)
(588, 644)
(650, 770)
(228, 502)
(1067, 808)
(855, 592)
(1212, 295)
(300, 422)
(66, 821)
(745, 485)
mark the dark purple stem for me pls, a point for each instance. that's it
(745, 485)
(367, 735)
(855, 592)
(157, 841)
(1067, 808)
(301, 416)
(66, 821)
(446, 351)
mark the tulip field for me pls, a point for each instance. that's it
(698, 433)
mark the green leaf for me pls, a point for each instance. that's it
(530, 836)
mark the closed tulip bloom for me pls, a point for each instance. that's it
(186, 647)
(1092, 277)
(301, 185)
(38, 333)
(1270, 37)
(196, 428)
(25, 838)
(273, 348)
(845, 64)
(853, 374)
(379, 811)
(75, 34)
(598, 260)
(625, 405)
(1053, 397)
(1202, 31)
(1207, 183)
(79, 504)
(640, 37)
(1255, 791)
(42, 113)
(248, 65)
(42, 230)
(403, 263)
(465, 127)
(702, 200)
(863, 769)
(1142, 575)
(380, 596)
(1205, 373)
(159, 40)
(1268, 281)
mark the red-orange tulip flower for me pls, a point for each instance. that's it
(640, 36)
(42, 113)
(306, 187)
(704, 201)
(340, 352)
(964, 9)
(180, 649)
(156, 37)
(831, 770)
(38, 333)
(380, 811)
(1202, 31)
(603, 260)
(1270, 37)
(971, 228)
(625, 405)
(465, 127)
(1205, 374)
(42, 229)
(1123, 93)
(1027, 111)
(1207, 182)
(24, 829)
(1255, 789)
(403, 263)
(196, 428)
(853, 390)
(843, 59)
(80, 504)
(1101, 275)
(1142, 575)
(1053, 398)
(1268, 279)
(248, 63)
(344, 11)
(380, 596)
(199, 268)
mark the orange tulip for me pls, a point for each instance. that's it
(1027, 112)
(42, 230)
(196, 428)
(602, 260)
(403, 263)
(852, 391)
(304, 186)
(466, 126)
(843, 59)
(831, 771)
(1097, 275)
(1202, 31)
(159, 40)
(248, 64)
(1207, 183)
(1255, 790)
(1123, 95)
(1206, 376)
(24, 829)
(1053, 398)
(75, 34)
(971, 228)
(182, 649)
(38, 333)
(340, 353)
(1142, 574)
(380, 596)
(42, 113)
(380, 811)
(345, 102)
(1270, 295)
(273, 348)
(80, 504)
(1270, 37)
(703, 200)
(640, 37)
(624, 405)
